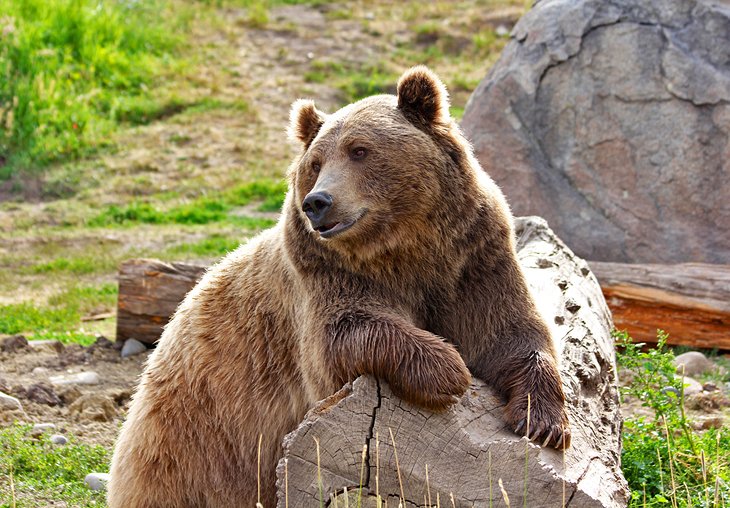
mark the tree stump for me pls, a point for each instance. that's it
(364, 436)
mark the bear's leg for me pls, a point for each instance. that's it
(532, 381)
(420, 367)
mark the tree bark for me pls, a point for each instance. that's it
(691, 301)
(468, 452)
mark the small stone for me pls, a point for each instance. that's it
(691, 386)
(80, 378)
(58, 439)
(9, 403)
(103, 342)
(69, 393)
(95, 407)
(710, 387)
(43, 427)
(709, 422)
(693, 363)
(49, 346)
(132, 347)
(670, 389)
(13, 343)
(42, 394)
(502, 31)
(97, 481)
(39, 371)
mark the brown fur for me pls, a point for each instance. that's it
(286, 319)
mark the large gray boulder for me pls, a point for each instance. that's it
(611, 119)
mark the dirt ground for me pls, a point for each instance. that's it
(90, 412)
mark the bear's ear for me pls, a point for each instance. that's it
(422, 97)
(305, 120)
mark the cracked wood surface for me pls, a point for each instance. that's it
(468, 449)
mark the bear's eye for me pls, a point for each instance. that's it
(358, 153)
(316, 166)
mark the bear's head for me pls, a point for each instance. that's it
(383, 172)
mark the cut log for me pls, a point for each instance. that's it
(468, 452)
(691, 302)
(149, 292)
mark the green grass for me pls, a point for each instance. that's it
(60, 318)
(72, 69)
(214, 245)
(666, 461)
(202, 210)
(41, 470)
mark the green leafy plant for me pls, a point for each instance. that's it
(39, 469)
(666, 461)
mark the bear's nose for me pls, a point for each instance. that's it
(316, 205)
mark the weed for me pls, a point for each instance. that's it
(68, 69)
(60, 319)
(42, 470)
(663, 454)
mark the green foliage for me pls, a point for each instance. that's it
(40, 469)
(202, 210)
(70, 69)
(214, 245)
(667, 462)
(61, 318)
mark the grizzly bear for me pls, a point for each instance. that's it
(394, 256)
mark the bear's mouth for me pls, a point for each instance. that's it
(331, 230)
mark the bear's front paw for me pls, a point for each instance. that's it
(434, 379)
(548, 424)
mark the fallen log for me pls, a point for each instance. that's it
(149, 292)
(691, 301)
(468, 456)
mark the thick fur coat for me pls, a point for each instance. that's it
(394, 257)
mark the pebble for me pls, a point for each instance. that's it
(13, 343)
(9, 403)
(39, 371)
(693, 363)
(42, 394)
(132, 347)
(59, 439)
(691, 386)
(43, 427)
(97, 481)
(49, 346)
(502, 31)
(80, 378)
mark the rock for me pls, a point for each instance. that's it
(69, 393)
(612, 121)
(80, 378)
(58, 439)
(48, 346)
(103, 342)
(708, 422)
(132, 347)
(42, 394)
(691, 386)
(95, 407)
(707, 401)
(9, 403)
(693, 363)
(13, 343)
(710, 387)
(43, 427)
(97, 481)
(39, 371)
(670, 389)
